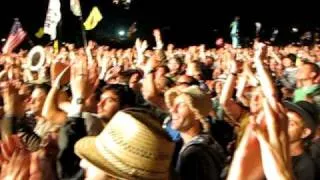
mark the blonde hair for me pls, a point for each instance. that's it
(204, 123)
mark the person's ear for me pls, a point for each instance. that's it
(313, 75)
(306, 132)
(317, 79)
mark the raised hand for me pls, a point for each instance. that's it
(12, 100)
(138, 44)
(93, 77)
(50, 110)
(18, 167)
(112, 72)
(144, 45)
(274, 145)
(79, 78)
(141, 46)
(157, 36)
(56, 69)
(8, 146)
(18, 163)
(246, 163)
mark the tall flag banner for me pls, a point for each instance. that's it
(16, 36)
(75, 7)
(40, 33)
(52, 19)
(93, 19)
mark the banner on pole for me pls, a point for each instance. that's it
(52, 19)
(93, 19)
(75, 7)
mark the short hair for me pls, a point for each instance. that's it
(292, 57)
(165, 67)
(177, 59)
(45, 87)
(193, 81)
(124, 92)
(314, 67)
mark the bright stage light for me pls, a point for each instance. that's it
(121, 33)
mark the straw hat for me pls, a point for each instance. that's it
(197, 100)
(132, 146)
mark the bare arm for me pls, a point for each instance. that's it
(240, 90)
(264, 77)
(231, 108)
(151, 93)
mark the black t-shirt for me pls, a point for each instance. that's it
(303, 167)
(202, 159)
(315, 154)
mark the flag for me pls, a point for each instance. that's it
(40, 33)
(56, 46)
(16, 36)
(93, 19)
(75, 7)
(52, 19)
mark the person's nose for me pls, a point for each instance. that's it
(173, 109)
(29, 100)
(100, 104)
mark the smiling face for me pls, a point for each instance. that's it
(183, 117)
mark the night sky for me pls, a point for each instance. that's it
(181, 21)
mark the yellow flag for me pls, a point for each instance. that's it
(93, 19)
(40, 33)
(56, 46)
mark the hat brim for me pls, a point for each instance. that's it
(86, 148)
(38, 82)
(219, 80)
(304, 114)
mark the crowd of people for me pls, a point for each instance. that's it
(161, 112)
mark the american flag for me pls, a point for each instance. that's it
(16, 36)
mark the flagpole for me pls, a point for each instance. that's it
(83, 32)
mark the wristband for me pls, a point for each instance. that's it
(234, 74)
(79, 101)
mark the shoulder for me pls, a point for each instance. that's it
(315, 149)
(203, 146)
(303, 162)
(304, 167)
